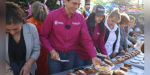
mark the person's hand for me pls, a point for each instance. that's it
(10, 73)
(7, 67)
(137, 34)
(41, 44)
(96, 61)
(54, 55)
(114, 54)
(107, 57)
(132, 45)
(127, 50)
(135, 37)
(140, 31)
(25, 70)
(122, 52)
(135, 41)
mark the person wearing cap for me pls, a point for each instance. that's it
(112, 35)
(60, 33)
(87, 8)
(96, 29)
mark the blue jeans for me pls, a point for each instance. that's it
(17, 68)
(55, 66)
(79, 62)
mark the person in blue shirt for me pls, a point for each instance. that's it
(87, 8)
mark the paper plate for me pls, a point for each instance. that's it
(130, 73)
(140, 56)
(136, 58)
(140, 74)
(142, 62)
(134, 61)
(137, 71)
(141, 34)
(110, 68)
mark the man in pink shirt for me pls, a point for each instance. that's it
(60, 33)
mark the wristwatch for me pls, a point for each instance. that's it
(9, 70)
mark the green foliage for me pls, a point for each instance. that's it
(121, 2)
(51, 4)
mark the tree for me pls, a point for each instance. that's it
(121, 2)
(24, 3)
(52, 4)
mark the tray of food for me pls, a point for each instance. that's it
(125, 57)
(106, 68)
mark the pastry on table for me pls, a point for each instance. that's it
(132, 54)
(114, 61)
(89, 70)
(127, 57)
(118, 72)
(102, 67)
(76, 72)
(71, 74)
(124, 69)
(80, 72)
(108, 62)
(124, 58)
(137, 51)
(127, 65)
(119, 59)
(107, 72)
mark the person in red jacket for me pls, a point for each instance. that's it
(38, 15)
(97, 29)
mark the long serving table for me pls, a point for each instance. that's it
(140, 62)
(133, 71)
(137, 69)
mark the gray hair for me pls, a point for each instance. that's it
(38, 11)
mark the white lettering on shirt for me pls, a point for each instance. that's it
(75, 23)
(98, 33)
(56, 22)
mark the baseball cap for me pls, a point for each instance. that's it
(99, 10)
(87, 2)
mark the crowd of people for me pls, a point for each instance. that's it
(35, 46)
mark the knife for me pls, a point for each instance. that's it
(98, 54)
(63, 60)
